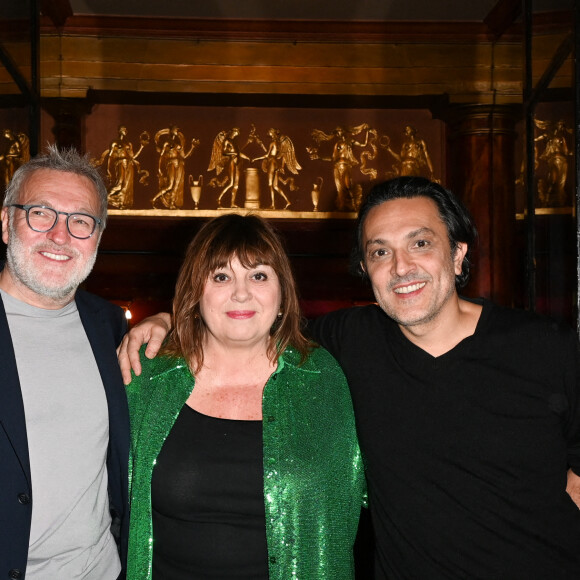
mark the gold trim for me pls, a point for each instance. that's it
(210, 213)
(548, 211)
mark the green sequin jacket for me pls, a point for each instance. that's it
(313, 473)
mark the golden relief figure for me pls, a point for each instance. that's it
(343, 159)
(413, 158)
(279, 154)
(170, 144)
(121, 165)
(552, 163)
(226, 154)
(15, 152)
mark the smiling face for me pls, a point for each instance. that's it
(408, 258)
(239, 305)
(45, 269)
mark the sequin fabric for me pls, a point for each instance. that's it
(313, 473)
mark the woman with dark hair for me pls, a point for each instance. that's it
(245, 462)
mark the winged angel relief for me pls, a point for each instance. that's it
(226, 154)
(279, 154)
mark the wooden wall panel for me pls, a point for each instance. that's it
(474, 70)
(185, 65)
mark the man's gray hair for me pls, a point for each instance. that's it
(65, 160)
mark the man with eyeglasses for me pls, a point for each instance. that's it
(64, 426)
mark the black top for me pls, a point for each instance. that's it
(208, 501)
(466, 453)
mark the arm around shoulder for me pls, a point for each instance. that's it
(573, 487)
(151, 331)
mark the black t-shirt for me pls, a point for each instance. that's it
(466, 453)
(207, 494)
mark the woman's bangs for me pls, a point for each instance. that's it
(249, 254)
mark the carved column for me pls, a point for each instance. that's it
(480, 170)
(68, 115)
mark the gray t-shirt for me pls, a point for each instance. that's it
(67, 427)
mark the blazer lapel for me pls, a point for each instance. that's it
(104, 337)
(99, 330)
(12, 418)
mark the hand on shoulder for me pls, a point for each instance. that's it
(152, 331)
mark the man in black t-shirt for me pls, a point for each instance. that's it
(468, 414)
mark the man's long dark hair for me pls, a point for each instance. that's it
(457, 220)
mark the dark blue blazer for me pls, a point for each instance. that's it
(105, 325)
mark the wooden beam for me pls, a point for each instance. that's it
(502, 16)
(57, 11)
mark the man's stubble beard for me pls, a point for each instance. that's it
(18, 262)
(433, 309)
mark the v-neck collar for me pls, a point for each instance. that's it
(416, 356)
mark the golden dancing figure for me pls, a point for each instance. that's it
(279, 154)
(552, 186)
(414, 158)
(16, 152)
(348, 196)
(226, 153)
(170, 144)
(121, 165)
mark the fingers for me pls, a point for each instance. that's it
(152, 331)
(573, 487)
(157, 336)
(126, 362)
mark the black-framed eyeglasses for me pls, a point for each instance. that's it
(41, 218)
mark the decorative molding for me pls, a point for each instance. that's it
(211, 213)
(262, 29)
(299, 30)
(548, 211)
